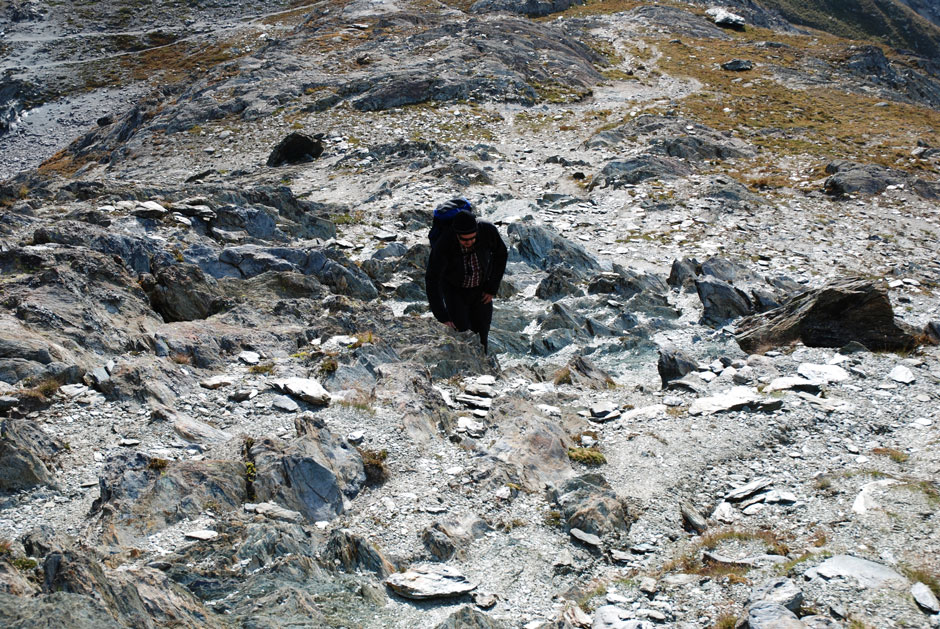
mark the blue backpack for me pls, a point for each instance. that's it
(444, 215)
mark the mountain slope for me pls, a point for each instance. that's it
(887, 21)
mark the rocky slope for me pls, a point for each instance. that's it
(711, 398)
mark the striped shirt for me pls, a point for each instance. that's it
(471, 269)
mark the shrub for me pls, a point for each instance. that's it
(263, 368)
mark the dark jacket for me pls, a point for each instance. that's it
(445, 265)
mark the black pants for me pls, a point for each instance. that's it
(467, 310)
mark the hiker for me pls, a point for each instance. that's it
(464, 270)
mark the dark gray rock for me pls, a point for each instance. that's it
(530, 8)
(452, 538)
(588, 503)
(311, 474)
(58, 609)
(134, 252)
(721, 301)
(583, 373)
(352, 553)
(139, 495)
(140, 597)
(182, 292)
(673, 364)
(541, 247)
(560, 282)
(296, 148)
(644, 292)
(847, 177)
(469, 618)
(683, 273)
(631, 171)
(26, 455)
(737, 65)
(845, 310)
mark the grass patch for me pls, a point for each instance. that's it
(328, 366)
(692, 561)
(157, 465)
(587, 456)
(181, 359)
(43, 391)
(24, 564)
(894, 454)
(925, 576)
(726, 621)
(262, 368)
(562, 376)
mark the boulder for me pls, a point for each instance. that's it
(139, 495)
(583, 373)
(683, 273)
(737, 65)
(631, 171)
(674, 364)
(780, 590)
(541, 247)
(451, 537)
(430, 582)
(469, 618)
(847, 177)
(721, 301)
(866, 573)
(182, 292)
(771, 615)
(307, 389)
(296, 148)
(843, 311)
(588, 503)
(312, 474)
(560, 282)
(353, 553)
(26, 455)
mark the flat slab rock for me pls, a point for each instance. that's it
(427, 582)
(867, 573)
(307, 389)
(733, 399)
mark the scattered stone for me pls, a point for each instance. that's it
(780, 590)
(692, 518)
(274, 511)
(586, 538)
(217, 382)
(745, 491)
(867, 573)
(925, 598)
(203, 535)
(794, 383)
(823, 373)
(307, 389)
(902, 374)
(250, 358)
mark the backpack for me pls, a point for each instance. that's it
(444, 215)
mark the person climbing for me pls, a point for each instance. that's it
(465, 268)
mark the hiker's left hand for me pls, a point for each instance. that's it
(487, 298)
